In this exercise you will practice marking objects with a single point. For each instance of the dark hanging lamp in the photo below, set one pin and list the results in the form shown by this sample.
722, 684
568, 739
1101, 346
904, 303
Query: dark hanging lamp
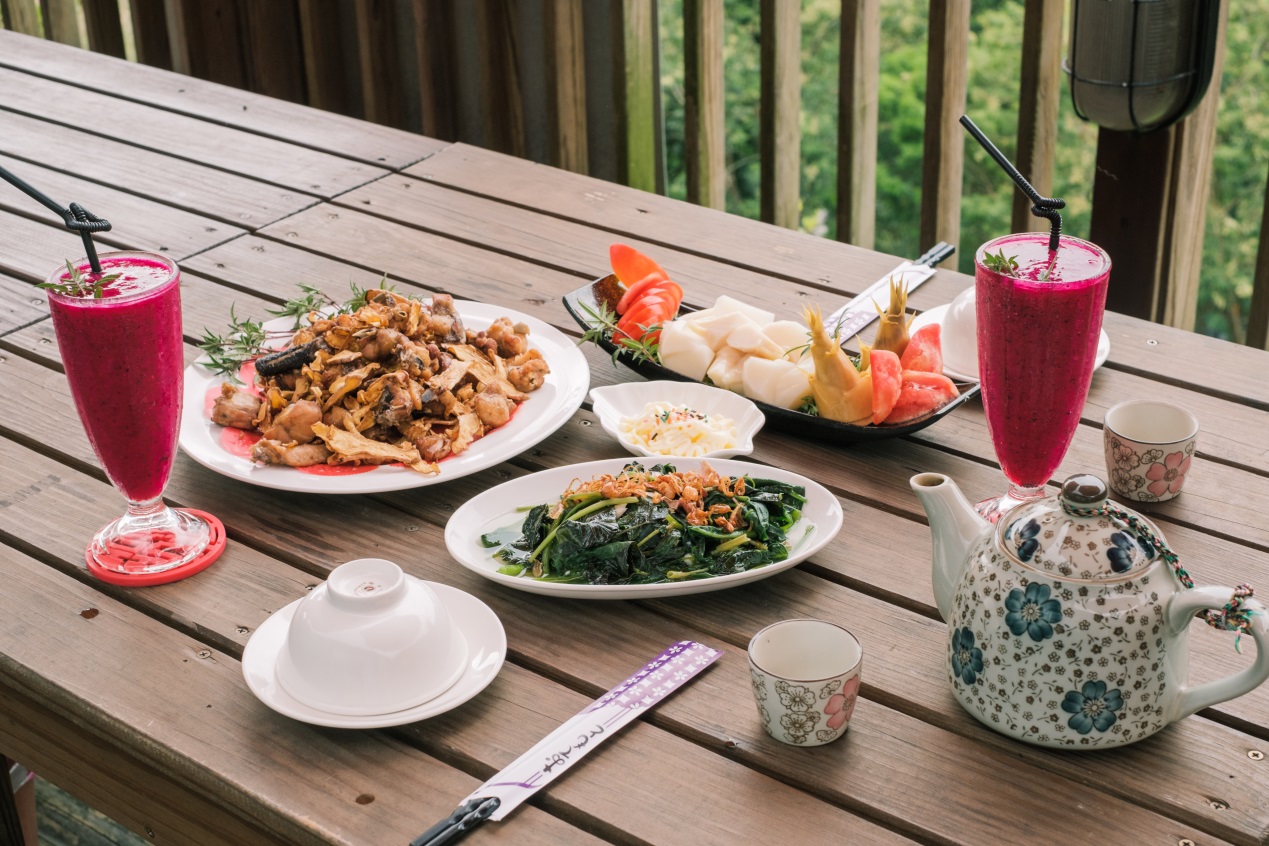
1140, 64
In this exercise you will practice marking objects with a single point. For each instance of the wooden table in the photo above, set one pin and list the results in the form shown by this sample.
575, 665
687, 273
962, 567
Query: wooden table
134, 699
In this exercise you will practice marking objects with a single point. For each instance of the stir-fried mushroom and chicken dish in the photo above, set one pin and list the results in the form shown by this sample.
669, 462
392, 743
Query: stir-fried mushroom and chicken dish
396, 381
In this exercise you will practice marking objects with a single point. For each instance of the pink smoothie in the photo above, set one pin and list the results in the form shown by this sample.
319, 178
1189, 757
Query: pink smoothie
123, 359
1037, 341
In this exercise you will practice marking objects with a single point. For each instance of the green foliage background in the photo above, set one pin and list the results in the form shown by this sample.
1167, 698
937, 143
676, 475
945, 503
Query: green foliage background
1241, 160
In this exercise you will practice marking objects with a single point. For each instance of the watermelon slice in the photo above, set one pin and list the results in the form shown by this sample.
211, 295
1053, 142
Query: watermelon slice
924, 350
921, 394
887, 383
631, 266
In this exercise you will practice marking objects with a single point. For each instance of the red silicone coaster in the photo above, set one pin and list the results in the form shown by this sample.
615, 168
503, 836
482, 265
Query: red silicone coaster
214, 548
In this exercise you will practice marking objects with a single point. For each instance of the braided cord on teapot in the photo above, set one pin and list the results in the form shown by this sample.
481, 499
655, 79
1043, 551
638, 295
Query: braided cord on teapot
1234, 616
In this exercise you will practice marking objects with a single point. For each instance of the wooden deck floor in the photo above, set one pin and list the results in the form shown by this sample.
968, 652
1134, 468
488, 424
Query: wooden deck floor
65, 821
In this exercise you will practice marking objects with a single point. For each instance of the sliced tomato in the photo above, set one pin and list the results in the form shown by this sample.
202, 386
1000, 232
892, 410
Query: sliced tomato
637, 290
636, 322
667, 287
643, 315
630, 265
887, 383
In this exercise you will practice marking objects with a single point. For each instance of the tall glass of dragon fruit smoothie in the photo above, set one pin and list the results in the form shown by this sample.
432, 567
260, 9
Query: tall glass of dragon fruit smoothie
1039, 320
120, 337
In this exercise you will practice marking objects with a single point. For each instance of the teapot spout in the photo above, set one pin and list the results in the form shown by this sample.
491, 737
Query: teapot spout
954, 525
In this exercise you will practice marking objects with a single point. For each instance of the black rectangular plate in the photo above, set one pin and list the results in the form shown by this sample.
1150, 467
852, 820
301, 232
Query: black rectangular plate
602, 291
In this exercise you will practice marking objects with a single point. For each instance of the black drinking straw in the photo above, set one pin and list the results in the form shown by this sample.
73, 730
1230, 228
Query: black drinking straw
77, 218
1043, 206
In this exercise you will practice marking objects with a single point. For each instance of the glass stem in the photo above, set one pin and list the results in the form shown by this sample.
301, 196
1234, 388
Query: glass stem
146, 508
1023, 493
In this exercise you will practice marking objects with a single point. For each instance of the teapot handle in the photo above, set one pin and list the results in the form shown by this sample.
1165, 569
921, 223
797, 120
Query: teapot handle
1180, 613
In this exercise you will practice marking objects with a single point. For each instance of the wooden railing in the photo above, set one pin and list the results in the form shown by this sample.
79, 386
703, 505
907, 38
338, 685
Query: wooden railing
575, 83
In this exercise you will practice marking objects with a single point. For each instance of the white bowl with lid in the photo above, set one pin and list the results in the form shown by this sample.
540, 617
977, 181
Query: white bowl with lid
370, 640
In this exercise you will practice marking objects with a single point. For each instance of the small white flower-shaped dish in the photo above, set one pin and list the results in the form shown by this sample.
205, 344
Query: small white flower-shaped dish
615, 403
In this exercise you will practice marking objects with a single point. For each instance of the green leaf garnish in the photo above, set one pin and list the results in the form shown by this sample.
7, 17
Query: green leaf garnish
79, 284
1000, 263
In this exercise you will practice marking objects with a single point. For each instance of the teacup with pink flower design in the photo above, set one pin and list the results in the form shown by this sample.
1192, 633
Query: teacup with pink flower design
1149, 448
805, 676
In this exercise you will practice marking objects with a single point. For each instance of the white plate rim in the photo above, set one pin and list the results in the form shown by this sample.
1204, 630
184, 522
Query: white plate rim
465, 525
486, 644
935, 315
565, 388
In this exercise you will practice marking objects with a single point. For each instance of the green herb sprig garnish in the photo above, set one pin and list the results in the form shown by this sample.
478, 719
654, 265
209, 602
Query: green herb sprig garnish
358, 299
1000, 263
246, 338
603, 326
300, 307
227, 353
79, 284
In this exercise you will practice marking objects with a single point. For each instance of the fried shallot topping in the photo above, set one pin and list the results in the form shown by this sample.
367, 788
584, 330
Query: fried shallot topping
683, 491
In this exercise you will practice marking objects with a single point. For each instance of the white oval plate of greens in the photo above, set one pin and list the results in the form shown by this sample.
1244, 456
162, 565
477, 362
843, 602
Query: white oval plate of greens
506, 505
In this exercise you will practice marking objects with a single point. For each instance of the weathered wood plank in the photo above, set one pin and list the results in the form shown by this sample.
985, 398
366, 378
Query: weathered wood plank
857, 122
272, 44
104, 27
635, 89
23, 16
336, 134
61, 21
659, 220
206, 42
578, 250
381, 85
566, 84
149, 29
232, 150
1258, 312
946, 78
704, 132
135, 220
196, 188
20, 304
503, 104
1192, 181
780, 116
438, 97
1039, 94
324, 61
1130, 225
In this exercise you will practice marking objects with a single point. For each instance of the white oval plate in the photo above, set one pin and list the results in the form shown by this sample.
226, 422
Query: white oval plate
613, 403
935, 315
497, 507
476, 621
546, 410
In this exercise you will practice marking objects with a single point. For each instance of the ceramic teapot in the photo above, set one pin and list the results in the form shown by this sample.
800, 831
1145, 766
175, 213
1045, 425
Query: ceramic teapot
1067, 620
